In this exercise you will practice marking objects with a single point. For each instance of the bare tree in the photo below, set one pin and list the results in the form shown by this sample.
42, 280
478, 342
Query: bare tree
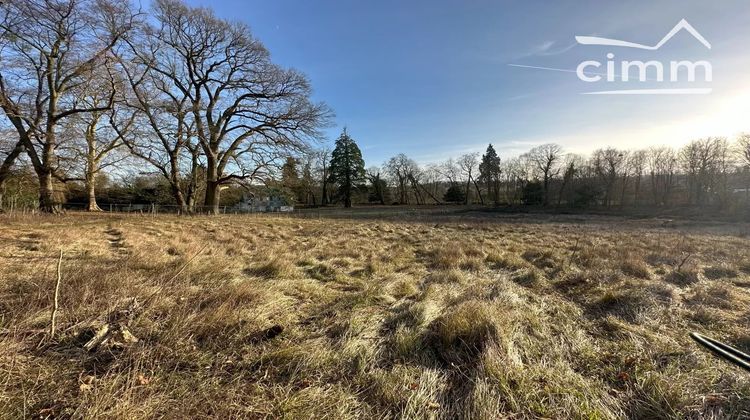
624, 175
469, 164
608, 164
724, 162
378, 185
572, 164
418, 177
99, 133
433, 180
705, 164
662, 164
163, 132
322, 157
49, 47
637, 164
450, 170
399, 168
514, 177
247, 112
307, 180
743, 149
545, 160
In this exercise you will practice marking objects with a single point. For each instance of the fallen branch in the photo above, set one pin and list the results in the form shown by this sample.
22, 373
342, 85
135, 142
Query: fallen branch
112, 335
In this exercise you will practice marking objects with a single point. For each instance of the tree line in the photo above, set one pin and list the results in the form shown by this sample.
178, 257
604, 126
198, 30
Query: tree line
708, 172
102, 101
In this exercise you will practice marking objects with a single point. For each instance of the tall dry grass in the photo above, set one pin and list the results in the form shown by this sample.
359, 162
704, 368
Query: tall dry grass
241, 317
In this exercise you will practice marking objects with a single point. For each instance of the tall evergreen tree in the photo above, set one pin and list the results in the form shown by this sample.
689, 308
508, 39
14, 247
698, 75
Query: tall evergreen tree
489, 172
347, 169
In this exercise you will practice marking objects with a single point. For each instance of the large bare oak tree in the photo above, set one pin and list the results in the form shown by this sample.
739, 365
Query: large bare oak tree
48, 48
245, 111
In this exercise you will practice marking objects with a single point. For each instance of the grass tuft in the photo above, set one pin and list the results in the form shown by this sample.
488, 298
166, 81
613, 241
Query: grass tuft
460, 335
275, 268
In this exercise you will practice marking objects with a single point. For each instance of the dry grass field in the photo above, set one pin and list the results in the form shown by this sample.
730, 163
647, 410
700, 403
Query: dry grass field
444, 317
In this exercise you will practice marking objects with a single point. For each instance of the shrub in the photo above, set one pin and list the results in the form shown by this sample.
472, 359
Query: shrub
532, 193
454, 194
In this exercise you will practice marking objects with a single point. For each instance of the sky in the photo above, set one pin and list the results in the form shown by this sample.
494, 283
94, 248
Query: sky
435, 78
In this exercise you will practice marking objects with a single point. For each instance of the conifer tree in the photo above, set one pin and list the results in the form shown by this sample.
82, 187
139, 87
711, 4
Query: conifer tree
489, 172
347, 168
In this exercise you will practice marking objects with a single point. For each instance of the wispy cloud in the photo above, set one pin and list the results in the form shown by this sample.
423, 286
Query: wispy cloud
548, 48
520, 97
542, 48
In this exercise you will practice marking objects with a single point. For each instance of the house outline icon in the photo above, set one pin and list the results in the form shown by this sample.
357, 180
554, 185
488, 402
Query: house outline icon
682, 25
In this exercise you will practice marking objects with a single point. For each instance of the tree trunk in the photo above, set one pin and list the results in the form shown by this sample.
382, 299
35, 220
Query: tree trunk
401, 199
92, 167
48, 202
91, 192
178, 196
213, 187
189, 206
213, 191
479, 193
324, 182
468, 190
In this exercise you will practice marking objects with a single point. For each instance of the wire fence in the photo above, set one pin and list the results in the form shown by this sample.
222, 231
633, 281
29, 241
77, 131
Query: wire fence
138, 208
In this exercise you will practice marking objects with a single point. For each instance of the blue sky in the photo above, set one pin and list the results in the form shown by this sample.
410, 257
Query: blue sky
432, 78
